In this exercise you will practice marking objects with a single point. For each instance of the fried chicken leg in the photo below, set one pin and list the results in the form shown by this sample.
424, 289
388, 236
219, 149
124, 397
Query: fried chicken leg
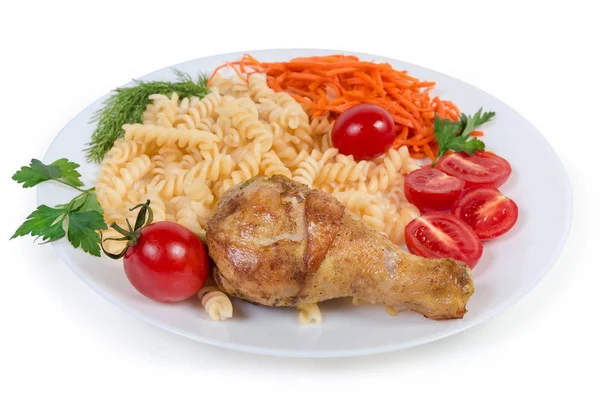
279, 243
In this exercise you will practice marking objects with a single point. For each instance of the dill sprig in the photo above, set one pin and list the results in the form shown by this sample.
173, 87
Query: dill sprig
127, 105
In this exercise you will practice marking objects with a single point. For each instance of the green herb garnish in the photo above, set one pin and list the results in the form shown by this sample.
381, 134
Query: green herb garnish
470, 123
127, 105
83, 215
452, 135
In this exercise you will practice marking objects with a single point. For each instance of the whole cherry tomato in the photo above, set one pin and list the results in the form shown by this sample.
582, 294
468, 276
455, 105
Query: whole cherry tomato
364, 131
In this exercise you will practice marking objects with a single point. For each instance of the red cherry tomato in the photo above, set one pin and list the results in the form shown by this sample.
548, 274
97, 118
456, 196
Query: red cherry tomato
168, 263
430, 189
487, 211
364, 131
480, 169
442, 235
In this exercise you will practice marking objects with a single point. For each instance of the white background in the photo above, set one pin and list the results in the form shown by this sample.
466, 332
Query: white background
59, 338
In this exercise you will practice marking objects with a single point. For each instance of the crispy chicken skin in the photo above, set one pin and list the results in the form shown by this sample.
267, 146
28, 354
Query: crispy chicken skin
279, 243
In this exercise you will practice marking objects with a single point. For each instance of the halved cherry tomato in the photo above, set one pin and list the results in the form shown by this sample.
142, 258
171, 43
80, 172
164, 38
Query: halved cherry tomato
364, 131
480, 169
442, 235
430, 189
487, 211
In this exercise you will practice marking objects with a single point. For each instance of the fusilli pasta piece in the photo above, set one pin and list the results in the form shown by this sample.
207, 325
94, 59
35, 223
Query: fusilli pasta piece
201, 109
258, 88
272, 165
162, 136
247, 124
126, 150
186, 215
396, 219
309, 313
342, 172
321, 125
307, 171
216, 303
293, 111
247, 168
364, 205
222, 83
111, 190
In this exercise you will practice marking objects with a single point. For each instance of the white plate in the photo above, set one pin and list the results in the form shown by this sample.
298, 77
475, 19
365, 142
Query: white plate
511, 265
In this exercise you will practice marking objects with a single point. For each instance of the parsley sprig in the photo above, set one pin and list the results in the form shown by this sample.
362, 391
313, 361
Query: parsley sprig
82, 216
455, 135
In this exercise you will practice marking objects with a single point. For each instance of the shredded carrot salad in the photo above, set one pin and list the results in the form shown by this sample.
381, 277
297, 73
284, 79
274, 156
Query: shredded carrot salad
332, 84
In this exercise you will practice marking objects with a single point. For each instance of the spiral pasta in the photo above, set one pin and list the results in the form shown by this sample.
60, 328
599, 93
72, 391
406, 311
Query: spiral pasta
248, 167
222, 83
391, 311
293, 111
247, 124
231, 86
307, 171
206, 107
269, 111
356, 301
321, 125
342, 172
169, 187
188, 216
309, 313
162, 110
162, 136
125, 150
272, 165
324, 143
170, 112
114, 187
364, 205
216, 303
135, 170
258, 88
395, 221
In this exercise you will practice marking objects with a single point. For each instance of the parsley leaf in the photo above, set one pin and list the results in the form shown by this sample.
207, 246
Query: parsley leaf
68, 172
82, 231
469, 124
455, 136
460, 143
83, 214
445, 131
61, 170
87, 203
36, 172
45, 222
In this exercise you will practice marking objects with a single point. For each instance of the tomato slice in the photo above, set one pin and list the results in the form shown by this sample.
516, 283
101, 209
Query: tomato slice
480, 169
441, 235
487, 211
431, 189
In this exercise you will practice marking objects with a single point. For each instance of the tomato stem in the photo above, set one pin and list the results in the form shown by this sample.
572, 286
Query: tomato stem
131, 234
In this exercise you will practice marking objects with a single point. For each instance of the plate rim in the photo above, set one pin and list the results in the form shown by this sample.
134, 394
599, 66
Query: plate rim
303, 353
